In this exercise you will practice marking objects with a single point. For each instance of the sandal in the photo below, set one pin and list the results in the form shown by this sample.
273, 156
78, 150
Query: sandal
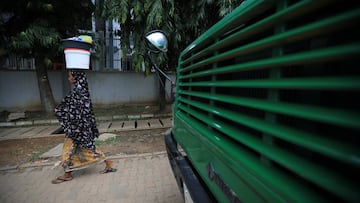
61, 179
108, 170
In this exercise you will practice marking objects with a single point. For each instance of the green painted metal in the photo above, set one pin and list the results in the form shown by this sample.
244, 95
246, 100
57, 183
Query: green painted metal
269, 97
333, 116
311, 30
247, 166
316, 173
328, 54
335, 148
320, 83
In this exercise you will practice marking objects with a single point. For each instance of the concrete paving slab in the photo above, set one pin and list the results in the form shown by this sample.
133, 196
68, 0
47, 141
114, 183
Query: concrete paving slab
128, 125
54, 152
39, 131
47, 130
167, 122
116, 126
15, 133
105, 136
155, 123
26, 132
142, 124
103, 126
31, 131
4, 132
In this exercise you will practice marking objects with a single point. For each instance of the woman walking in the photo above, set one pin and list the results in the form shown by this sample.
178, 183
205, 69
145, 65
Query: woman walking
76, 117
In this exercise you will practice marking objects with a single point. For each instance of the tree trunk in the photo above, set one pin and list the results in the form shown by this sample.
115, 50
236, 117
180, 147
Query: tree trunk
46, 95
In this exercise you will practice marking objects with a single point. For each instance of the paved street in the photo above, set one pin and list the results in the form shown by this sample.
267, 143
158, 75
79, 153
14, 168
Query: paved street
140, 178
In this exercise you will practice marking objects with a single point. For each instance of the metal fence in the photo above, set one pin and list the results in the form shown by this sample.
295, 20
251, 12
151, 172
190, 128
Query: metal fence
106, 55
17, 63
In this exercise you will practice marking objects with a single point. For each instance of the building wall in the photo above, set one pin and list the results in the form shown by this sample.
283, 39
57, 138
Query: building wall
19, 89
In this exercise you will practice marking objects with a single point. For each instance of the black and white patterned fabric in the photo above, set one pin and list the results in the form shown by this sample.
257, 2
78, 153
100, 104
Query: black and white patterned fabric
75, 114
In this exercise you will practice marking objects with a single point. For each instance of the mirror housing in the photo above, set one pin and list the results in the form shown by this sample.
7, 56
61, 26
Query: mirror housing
156, 41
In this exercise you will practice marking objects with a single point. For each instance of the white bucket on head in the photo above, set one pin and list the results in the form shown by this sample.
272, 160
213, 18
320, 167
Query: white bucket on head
77, 58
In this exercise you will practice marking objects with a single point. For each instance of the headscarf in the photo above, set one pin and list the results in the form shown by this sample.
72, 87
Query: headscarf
75, 113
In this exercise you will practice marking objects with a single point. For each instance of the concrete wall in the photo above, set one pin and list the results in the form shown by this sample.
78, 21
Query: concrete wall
19, 89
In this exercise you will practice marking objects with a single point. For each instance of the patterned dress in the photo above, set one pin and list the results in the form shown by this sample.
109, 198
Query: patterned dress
76, 117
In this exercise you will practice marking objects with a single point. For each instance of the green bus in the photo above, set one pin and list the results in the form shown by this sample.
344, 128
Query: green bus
267, 105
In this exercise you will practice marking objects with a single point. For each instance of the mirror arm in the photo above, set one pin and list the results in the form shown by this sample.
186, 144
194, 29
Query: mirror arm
158, 69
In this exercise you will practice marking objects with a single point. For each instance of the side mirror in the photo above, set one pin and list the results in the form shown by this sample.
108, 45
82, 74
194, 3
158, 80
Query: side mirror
156, 41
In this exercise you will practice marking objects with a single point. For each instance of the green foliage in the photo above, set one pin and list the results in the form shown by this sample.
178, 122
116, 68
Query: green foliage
37, 35
182, 21
155, 16
33, 28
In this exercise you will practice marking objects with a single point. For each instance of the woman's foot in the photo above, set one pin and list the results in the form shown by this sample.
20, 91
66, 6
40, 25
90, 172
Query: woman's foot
108, 170
108, 167
108, 163
66, 177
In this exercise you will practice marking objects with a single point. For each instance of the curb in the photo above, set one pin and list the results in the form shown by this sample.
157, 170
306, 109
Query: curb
99, 118
54, 163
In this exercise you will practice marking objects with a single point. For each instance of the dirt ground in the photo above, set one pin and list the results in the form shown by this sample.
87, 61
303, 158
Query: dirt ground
16, 152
